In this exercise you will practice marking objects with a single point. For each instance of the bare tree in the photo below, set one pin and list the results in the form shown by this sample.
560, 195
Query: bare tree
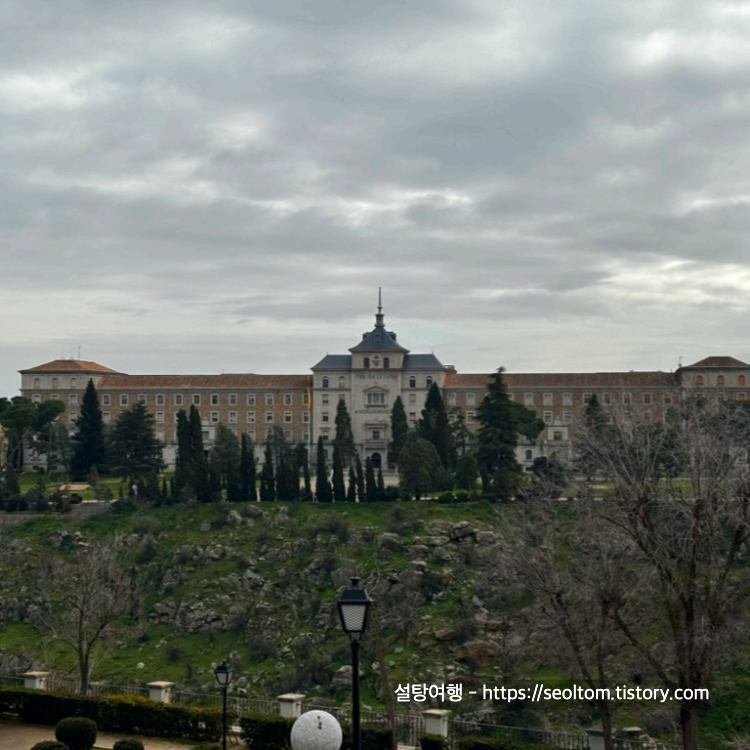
690, 535
86, 596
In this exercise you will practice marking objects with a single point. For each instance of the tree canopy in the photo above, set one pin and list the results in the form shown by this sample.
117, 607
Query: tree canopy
88, 442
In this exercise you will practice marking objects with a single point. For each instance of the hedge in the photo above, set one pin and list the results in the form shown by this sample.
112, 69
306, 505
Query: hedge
433, 742
497, 743
128, 714
264, 732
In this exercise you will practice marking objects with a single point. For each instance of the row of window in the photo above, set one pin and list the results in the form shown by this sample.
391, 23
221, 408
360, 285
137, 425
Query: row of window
720, 380
55, 383
196, 399
607, 398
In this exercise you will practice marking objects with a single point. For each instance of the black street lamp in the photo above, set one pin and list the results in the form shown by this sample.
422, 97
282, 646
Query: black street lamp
223, 674
354, 608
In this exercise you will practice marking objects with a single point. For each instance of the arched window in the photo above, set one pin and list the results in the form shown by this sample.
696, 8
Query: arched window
54, 382
325, 382
529, 456
720, 380
72, 382
428, 381
367, 362
386, 363
342, 381
412, 382
741, 380
36, 382
699, 379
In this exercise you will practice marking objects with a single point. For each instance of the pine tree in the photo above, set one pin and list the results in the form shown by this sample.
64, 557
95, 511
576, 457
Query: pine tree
339, 489
134, 449
88, 442
248, 493
351, 493
344, 439
371, 487
381, 484
435, 427
399, 430
361, 495
497, 440
322, 487
419, 466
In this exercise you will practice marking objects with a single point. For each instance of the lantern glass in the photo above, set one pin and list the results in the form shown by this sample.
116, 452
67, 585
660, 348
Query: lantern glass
223, 674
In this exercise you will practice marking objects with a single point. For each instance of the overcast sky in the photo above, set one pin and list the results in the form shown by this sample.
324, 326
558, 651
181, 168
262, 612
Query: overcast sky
222, 187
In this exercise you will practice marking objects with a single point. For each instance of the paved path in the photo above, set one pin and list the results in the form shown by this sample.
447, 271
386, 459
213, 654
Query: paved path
15, 736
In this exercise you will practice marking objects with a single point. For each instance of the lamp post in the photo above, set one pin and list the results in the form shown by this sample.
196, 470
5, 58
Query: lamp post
223, 674
354, 608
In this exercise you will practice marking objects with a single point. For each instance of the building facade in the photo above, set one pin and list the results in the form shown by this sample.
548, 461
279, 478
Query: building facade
376, 371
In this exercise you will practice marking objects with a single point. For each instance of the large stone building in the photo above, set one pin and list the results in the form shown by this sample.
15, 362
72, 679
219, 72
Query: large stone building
368, 379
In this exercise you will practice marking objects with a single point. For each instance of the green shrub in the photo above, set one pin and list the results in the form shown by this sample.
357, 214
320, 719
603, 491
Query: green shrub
206, 746
128, 744
446, 498
76, 732
461, 496
49, 745
373, 737
433, 742
261, 732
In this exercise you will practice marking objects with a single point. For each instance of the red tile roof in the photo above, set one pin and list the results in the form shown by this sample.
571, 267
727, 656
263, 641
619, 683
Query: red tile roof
718, 362
69, 365
590, 381
239, 381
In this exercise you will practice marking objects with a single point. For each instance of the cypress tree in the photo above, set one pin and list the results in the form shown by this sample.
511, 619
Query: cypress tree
184, 479
371, 488
164, 492
267, 488
198, 464
497, 439
381, 484
344, 439
399, 430
351, 493
88, 442
248, 493
322, 487
339, 489
361, 496
12, 487
435, 427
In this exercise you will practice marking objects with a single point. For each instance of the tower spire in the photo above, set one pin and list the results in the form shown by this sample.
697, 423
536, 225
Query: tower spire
379, 317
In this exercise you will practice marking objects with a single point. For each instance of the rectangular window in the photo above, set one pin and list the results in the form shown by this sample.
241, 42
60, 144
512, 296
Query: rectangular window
413, 398
324, 398
233, 399
37, 398
451, 399
470, 416
548, 417
306, 437
196, 399
324, 416
306, 417
288, 399
547, 399
586, 398
412, 416
647, 399
742, 396
567, 399
72, 415
269, 417
178, 399
176, 417
626, 399
214, 399
160, 399
376, 398
528, 399
73, 399
305, 400
376, 434
251, 417
288, 417
159, 416
123, 399
232, 417
567, 417
160, 435
106, 399
342, 397
214, 417
471, 399
607, 398
141, 398
667, 398
106, 417
452, 417
287, 434
269, 399
251, 435
251, 399
56, 396
557, 435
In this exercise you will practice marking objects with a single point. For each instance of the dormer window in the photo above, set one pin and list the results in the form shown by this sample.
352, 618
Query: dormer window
377, 338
